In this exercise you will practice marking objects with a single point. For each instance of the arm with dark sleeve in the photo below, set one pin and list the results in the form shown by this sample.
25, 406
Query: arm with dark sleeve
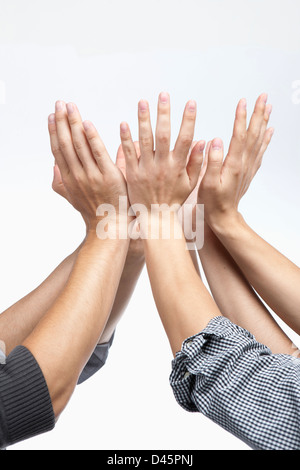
225, 374
25, 404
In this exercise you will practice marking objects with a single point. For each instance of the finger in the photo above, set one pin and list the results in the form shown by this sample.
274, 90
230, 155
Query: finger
120, 161
145, 131
186, 133
265, 144
59, 158
129, 148
65, 137
163, 127
195, 162
137, 149
239, 136
256, 121
264, 126
79, 139
214, 161
97, 147
205, 161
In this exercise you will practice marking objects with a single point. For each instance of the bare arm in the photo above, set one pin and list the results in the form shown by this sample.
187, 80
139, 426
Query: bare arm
66, 336
273, 276
18, 321
75, 321
163, 177
236, 298
183, 302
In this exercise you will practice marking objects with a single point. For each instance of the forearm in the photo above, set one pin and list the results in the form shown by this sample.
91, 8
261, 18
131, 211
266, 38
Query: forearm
65, 338
18, 321
134, 265
236, 298
275, 278
184, 304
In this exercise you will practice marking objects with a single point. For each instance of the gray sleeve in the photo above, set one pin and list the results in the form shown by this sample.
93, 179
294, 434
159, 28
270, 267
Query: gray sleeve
25, 404
96, 361
224, 373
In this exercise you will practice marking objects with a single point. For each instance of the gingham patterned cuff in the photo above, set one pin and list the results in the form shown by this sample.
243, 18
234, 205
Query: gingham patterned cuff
224, 373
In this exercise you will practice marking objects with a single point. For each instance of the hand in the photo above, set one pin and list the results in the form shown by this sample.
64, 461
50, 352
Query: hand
226, 182
160, 176
84, 173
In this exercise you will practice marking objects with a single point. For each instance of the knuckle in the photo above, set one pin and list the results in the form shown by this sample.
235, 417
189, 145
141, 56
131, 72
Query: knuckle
163, 137
146, 141
78, 144
186, 139
97, 153
64, 143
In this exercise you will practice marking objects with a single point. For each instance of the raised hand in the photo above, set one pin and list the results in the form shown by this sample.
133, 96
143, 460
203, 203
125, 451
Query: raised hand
226, 181
85, 175
161, 176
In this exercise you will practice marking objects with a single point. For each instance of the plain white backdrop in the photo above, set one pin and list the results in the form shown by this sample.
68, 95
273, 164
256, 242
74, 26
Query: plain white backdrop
105, 55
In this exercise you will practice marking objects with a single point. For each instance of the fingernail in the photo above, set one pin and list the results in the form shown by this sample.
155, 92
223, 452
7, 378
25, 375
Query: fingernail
164, 97
192, 105
244, 103
87, 125
59, 105
269, 109
264, 97
51, 118
201, 145
70, 108
217, 144
124, 127
143, 106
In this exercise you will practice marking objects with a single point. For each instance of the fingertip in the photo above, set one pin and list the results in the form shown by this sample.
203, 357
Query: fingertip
70, 108
217, 144
124, 128
143, 106
201, 145
51, 119
59, 106
191, 106
164, 97
242, 103
87, 126
269, 109
263, 97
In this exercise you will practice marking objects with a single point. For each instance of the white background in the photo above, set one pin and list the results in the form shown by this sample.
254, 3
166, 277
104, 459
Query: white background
105, 55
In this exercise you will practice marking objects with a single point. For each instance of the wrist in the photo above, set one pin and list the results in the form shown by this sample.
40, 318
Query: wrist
226, 225
161, 225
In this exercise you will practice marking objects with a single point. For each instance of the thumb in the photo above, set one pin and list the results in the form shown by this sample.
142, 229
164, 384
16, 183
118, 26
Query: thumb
57, 184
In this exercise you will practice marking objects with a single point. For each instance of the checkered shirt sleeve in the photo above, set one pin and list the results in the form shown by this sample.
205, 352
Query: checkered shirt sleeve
224, 373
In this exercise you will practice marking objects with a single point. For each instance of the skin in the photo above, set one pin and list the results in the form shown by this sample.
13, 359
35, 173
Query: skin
19, 320
231, 290
164, 176
274, 277
91, 179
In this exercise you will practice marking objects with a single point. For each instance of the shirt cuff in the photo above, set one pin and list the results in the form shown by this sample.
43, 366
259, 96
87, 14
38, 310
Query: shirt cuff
220, 344
25, 404
96, 361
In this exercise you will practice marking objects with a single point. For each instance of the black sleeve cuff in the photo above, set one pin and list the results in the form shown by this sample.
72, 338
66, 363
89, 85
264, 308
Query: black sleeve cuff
25, 404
